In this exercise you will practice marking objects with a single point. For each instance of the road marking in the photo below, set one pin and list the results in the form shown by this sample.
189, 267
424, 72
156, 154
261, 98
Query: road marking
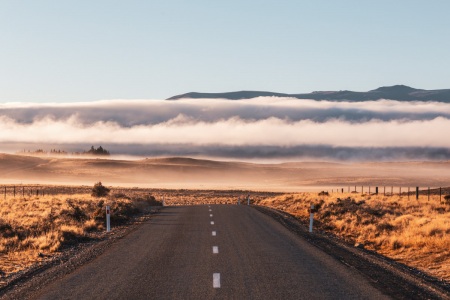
210, 215
216, 280
212, 222
213, 233
215, 249
210, 210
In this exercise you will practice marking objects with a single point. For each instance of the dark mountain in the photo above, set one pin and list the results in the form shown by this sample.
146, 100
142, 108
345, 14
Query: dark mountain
396, 92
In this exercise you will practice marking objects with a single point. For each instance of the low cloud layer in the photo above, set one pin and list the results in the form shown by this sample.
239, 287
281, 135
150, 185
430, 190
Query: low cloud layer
257, 128
129, 113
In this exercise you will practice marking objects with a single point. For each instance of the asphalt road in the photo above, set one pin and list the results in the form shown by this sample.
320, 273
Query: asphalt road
177, 256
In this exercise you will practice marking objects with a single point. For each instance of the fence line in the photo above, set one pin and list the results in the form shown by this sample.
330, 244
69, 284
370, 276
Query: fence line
399, 190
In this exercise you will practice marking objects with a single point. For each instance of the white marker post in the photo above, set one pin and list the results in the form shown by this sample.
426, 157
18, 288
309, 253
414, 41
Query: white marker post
108, 219
163, 204
311, 218
248, 200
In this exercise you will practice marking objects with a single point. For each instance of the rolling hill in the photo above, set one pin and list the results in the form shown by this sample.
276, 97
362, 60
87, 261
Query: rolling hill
190, 173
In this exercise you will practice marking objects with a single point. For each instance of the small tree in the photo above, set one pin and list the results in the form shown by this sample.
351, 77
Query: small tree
97, 151
99, 190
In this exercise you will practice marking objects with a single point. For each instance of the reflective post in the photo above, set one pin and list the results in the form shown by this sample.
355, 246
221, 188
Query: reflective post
311, 218
108, 219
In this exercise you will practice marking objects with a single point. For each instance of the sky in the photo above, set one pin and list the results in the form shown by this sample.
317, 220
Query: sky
78, 51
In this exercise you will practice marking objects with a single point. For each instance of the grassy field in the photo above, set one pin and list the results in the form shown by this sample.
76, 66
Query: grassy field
414, 232
35, 226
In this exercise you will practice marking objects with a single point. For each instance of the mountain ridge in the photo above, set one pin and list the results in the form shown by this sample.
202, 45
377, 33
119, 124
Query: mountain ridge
395, 92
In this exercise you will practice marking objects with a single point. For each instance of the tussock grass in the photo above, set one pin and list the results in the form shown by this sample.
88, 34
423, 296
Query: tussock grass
35, 227
414, 232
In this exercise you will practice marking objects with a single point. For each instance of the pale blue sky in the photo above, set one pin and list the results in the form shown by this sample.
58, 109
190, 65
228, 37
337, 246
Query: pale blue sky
61, 51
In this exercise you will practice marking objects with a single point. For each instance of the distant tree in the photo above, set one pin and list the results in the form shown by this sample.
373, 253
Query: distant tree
98, 151
99, 190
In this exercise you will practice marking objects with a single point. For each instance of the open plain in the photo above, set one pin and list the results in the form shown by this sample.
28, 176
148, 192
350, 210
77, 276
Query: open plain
188, 173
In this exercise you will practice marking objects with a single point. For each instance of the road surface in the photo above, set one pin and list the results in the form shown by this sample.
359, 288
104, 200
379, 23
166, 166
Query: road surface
212, 252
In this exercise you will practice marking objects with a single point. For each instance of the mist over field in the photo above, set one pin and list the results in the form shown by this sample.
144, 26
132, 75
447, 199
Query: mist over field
260, 128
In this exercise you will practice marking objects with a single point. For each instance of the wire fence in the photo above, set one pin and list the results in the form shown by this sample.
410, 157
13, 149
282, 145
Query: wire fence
416, 192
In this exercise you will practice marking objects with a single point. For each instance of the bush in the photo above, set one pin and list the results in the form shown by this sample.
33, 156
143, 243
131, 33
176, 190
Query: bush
6, 230
99, 190
70, 236
149, 199
447, 199
75, 212
123, 211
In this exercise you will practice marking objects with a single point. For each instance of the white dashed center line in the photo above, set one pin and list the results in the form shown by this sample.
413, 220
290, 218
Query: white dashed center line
216, 280
210, 215
210, 210
215, 249
212, 222
213, 233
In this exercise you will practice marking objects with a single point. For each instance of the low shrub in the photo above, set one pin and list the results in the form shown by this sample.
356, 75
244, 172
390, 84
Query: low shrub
99, 190
6, 230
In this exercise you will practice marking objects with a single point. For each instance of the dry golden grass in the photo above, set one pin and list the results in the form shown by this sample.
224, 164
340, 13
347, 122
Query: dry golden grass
34, 227
414, 232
